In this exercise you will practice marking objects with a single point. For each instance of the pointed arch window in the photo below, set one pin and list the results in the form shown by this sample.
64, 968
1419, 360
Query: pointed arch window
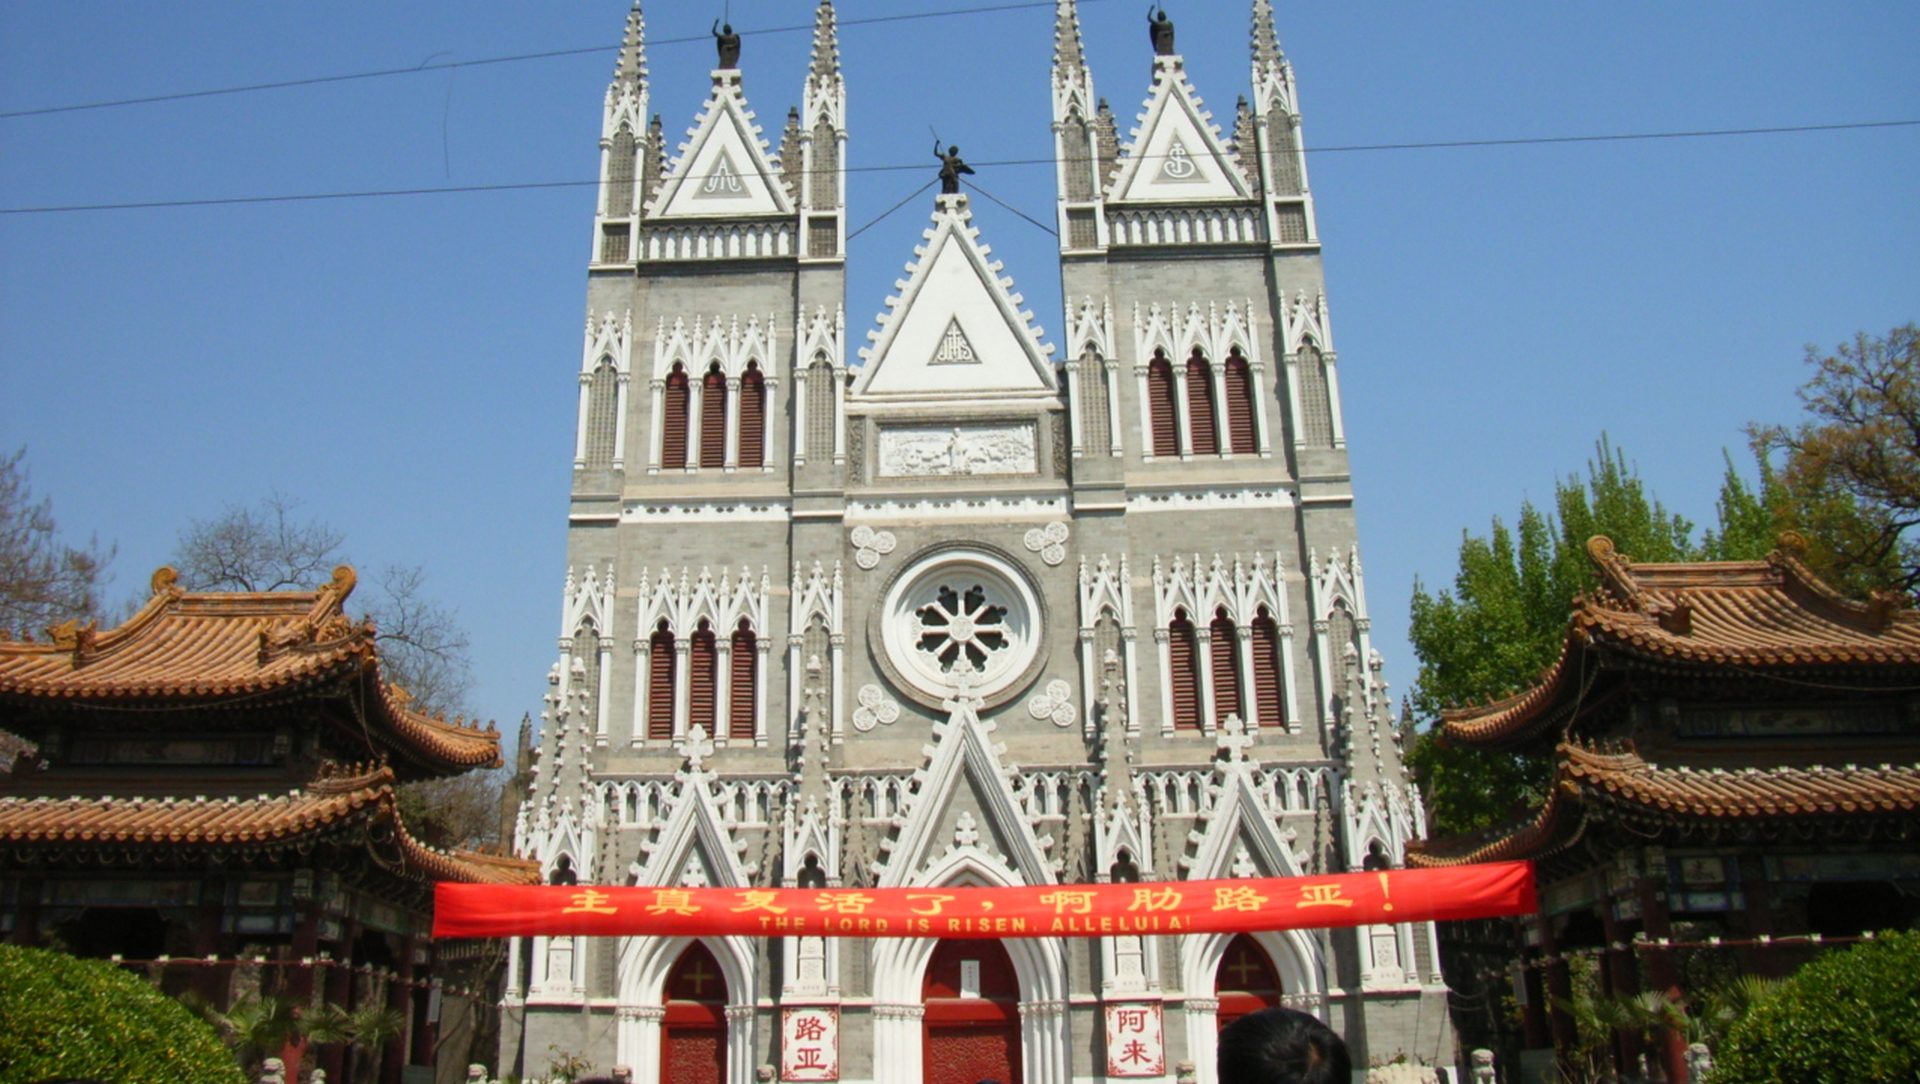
620, 160
1163, 406
673, 419
1078, 158
660, 684
1283, 138
1183, 676
1200, 418
1316, 409
825, 182
753, 417
820, 412
743, 683
603, 396
1340, 639
1241, 439
703, 662
1245, 981
1267, 692
1223, 661
1096, 434
713, 419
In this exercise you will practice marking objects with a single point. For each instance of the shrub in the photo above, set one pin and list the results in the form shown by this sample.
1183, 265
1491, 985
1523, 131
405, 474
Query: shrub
1847, 1017
67, 1017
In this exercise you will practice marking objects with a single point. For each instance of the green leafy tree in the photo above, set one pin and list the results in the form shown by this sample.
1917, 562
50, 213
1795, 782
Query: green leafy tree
63, 1017
1850, 473
1505, 619
1846, 1017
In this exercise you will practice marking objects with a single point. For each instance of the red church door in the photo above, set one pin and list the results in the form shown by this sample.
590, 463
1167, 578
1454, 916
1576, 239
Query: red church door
1245, 981
693, 1037
972, 999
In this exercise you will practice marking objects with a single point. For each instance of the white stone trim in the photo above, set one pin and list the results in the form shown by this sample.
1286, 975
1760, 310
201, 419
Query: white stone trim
744, 511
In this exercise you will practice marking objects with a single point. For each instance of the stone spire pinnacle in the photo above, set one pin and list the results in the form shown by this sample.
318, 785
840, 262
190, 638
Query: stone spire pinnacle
1116, 760
632, 68
826, 43
1068, 53
1266, 42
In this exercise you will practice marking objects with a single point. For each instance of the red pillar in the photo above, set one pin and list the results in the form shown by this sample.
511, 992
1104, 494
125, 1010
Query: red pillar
1661, 970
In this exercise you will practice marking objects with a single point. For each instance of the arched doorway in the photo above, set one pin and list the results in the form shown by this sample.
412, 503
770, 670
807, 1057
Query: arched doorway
693, 1035
1245, 981
972, 999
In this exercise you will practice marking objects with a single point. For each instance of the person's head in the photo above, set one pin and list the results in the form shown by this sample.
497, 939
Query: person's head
1282, 1046
953, 152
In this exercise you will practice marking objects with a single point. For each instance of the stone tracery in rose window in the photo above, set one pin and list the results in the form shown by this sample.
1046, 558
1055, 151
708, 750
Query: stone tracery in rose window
961, 627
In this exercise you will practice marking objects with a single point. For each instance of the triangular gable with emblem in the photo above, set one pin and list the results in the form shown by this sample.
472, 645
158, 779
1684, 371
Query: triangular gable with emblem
964, 775
954, 326
1176, 153
1240, 838
694, 846
723, 169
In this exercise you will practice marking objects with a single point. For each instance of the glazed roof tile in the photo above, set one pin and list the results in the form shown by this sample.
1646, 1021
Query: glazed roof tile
1769, 614
325, 807
234, 647
1591, 785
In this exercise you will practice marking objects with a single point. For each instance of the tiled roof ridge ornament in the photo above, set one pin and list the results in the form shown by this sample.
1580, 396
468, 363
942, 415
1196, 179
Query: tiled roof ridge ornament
164, 581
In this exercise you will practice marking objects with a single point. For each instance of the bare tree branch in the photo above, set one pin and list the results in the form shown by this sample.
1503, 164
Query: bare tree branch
260, 548
42, 581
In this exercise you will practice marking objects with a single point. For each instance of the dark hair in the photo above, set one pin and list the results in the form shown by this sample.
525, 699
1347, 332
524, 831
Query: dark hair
1282, 1046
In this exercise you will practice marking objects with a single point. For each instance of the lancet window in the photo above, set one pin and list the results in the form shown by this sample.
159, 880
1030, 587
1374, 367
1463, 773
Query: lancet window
660, 692
1163, 406
1200, 417
1183, 671
1316, 408
1223, 660
713, 419
1096, 429
673, 419
753, 417
705, 661
620, 160
603, 399
1238, 378
743, 682
1267, 685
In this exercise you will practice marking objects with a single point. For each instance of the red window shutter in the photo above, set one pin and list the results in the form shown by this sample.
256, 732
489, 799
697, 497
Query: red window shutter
703, 655
1206, 434
753, 415
660, 687
1240, 405
713, 421
1224, 658
1162, 406
1183, 654
741, 687
1266, 669
673, 421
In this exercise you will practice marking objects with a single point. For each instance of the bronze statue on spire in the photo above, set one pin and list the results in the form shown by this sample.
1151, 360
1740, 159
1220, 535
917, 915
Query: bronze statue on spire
951, 167
727, 43
1161, 29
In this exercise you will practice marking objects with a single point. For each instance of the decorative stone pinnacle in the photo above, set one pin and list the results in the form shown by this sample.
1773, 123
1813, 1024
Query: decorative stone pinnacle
1234, 739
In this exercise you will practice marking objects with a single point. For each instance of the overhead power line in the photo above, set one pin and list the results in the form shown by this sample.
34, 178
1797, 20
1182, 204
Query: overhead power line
1447, 144
514, 58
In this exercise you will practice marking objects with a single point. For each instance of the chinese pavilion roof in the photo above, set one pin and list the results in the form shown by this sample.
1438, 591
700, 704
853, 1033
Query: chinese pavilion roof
220, 649
1620, 787
358, 803
1724, 617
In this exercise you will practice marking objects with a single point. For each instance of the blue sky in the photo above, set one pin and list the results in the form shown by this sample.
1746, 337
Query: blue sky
405, 367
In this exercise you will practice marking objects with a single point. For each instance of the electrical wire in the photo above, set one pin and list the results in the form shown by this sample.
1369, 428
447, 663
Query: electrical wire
1050, 231
513, 58
1452, 144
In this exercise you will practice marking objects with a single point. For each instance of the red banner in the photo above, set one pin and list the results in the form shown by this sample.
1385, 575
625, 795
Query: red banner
1095, 910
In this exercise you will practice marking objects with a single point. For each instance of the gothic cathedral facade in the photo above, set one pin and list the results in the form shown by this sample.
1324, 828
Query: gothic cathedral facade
952, 610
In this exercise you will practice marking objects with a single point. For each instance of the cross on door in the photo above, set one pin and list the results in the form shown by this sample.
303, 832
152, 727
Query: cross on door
1242, 969
698, 976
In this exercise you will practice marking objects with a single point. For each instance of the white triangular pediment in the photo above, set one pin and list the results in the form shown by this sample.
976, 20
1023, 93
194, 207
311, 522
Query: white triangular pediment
1176, 154
723, 169
1240, 838
964, 774
694, 839
955, 327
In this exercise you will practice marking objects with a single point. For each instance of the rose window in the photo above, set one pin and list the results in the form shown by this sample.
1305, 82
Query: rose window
960, 620
962, 628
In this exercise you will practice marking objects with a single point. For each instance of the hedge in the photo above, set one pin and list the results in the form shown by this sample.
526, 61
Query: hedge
1846, 1018
67, 1017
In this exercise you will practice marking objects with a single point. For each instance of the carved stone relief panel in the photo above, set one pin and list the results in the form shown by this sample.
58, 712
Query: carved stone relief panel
923, 451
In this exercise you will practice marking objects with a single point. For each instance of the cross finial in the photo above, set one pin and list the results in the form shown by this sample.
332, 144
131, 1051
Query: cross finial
1234, 739
698, 748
